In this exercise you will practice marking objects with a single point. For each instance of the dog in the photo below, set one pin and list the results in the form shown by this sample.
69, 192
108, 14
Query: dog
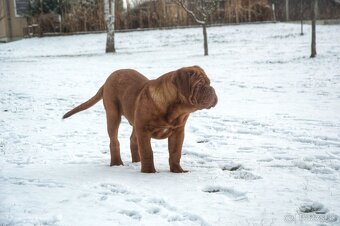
156, 109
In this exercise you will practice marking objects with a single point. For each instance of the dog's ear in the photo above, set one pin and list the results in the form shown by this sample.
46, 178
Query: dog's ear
186, 80
182, 80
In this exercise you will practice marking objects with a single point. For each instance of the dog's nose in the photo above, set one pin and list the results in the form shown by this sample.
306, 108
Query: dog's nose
215, 99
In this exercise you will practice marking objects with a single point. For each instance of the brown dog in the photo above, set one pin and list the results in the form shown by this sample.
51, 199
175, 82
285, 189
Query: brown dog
155, 108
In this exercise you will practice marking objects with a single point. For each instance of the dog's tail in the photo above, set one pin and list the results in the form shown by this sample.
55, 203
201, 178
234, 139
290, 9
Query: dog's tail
86, 104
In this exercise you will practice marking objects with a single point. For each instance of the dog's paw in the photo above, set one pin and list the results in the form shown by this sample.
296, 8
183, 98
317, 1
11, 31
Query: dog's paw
177, 169
117, 163
150, 169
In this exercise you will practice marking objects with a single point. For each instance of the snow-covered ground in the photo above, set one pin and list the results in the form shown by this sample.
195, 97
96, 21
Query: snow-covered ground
267, 154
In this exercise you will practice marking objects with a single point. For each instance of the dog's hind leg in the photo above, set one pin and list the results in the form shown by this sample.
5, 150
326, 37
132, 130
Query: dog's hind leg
113, 120
134, 147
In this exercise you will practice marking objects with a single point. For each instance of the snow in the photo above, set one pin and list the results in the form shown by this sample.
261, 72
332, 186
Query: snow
267, 154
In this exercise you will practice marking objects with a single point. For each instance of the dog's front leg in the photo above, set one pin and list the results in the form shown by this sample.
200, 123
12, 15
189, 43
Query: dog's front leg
175, 143
145, 152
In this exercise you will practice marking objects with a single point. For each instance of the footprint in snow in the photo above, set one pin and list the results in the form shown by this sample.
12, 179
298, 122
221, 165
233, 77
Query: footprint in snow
154, 210
245, 175
285, 157
266, 159
231, 166
313, 207
172, 214
245, 150
314, 167
238, 172
229, 192
131, 213
134, 199
317, 211
108, 189
45, 183
114, 188
161, 203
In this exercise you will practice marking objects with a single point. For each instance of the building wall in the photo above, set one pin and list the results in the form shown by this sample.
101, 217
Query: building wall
11, 25
3, 21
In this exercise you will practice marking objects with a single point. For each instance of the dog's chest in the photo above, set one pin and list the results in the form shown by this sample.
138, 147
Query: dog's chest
161, 133
164, 128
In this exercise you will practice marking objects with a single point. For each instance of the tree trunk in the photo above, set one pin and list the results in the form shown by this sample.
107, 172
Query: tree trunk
110, 23
274, 14
227, 10
301, 16
237, 12
9, 22
150, 25
164, 23
140, 18
249, 11
127, 15
314, 12
61, 28
287, 10
205, 37
85, 20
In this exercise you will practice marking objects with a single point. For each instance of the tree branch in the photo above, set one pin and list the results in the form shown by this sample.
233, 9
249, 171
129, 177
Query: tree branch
190, 12
211, 9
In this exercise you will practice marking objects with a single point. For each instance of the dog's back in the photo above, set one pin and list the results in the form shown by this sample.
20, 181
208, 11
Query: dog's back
119, 94
121, 90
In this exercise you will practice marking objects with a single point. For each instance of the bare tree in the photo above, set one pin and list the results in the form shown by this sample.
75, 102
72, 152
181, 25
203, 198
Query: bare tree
200, 10
314, 12
287, 10
301, 16
238, 10
109, 11
273, 11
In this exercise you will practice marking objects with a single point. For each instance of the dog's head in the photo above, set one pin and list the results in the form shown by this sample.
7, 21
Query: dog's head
194, 87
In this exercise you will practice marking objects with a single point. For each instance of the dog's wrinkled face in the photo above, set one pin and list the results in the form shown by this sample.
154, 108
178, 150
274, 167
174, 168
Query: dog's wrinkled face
194, 85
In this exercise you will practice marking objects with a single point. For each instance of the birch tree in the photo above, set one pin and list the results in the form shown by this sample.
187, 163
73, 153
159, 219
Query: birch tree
200, 10
287, 10
109, 12
314, 15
